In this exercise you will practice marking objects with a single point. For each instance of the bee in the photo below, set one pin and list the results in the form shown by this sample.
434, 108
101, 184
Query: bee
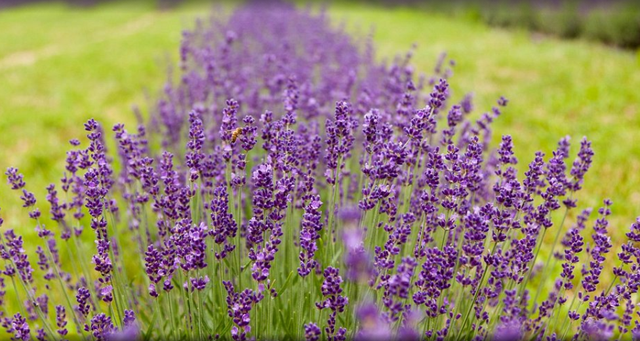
235, 134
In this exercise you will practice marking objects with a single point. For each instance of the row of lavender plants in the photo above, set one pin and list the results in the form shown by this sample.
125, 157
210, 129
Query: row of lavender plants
289, 186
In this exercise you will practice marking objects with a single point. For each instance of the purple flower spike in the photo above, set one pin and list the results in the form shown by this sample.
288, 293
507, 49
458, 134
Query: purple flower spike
83, 298
334, 301
14, 178
339, 140
100, 327
61, 320
239, 306
372, 325
312, 332
197, 283
359, 266
19, 328
310, 232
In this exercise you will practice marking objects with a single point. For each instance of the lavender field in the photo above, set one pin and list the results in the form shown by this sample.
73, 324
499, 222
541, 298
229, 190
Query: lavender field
296, 175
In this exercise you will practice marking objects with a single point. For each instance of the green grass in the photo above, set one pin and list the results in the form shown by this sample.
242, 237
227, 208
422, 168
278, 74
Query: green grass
61, 66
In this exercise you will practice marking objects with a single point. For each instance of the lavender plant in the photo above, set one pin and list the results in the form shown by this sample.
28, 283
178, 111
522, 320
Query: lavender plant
290, 186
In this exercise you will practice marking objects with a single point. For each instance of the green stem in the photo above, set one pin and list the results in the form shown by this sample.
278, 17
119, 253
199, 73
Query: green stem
39, 309
332, 206
475, 296
87, 276
62, 287
156, 306
126, 301
238, 237
174, 317
546, 265
533, 264
20, 302
564, 334
187, 304
445, 233
30, 295
553, 325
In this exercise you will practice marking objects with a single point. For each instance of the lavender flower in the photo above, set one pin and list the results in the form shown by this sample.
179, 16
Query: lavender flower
597, 252
311, 332
239, 306
359, 267
61, 320
19, 328
310, 231
101, 327
333, 301
339, 140
373, 325
14, 178
83, 298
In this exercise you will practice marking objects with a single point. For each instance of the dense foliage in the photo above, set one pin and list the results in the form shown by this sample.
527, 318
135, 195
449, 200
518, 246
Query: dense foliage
613, 22
290, 186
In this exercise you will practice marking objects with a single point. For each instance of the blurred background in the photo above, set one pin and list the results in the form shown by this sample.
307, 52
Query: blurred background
568, 68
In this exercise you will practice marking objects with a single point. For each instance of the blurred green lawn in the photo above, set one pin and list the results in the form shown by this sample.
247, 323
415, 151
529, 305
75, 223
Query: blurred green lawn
60, 66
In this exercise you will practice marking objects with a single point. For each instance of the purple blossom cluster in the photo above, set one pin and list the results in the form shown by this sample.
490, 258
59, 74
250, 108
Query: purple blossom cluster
333, 301
290, 186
